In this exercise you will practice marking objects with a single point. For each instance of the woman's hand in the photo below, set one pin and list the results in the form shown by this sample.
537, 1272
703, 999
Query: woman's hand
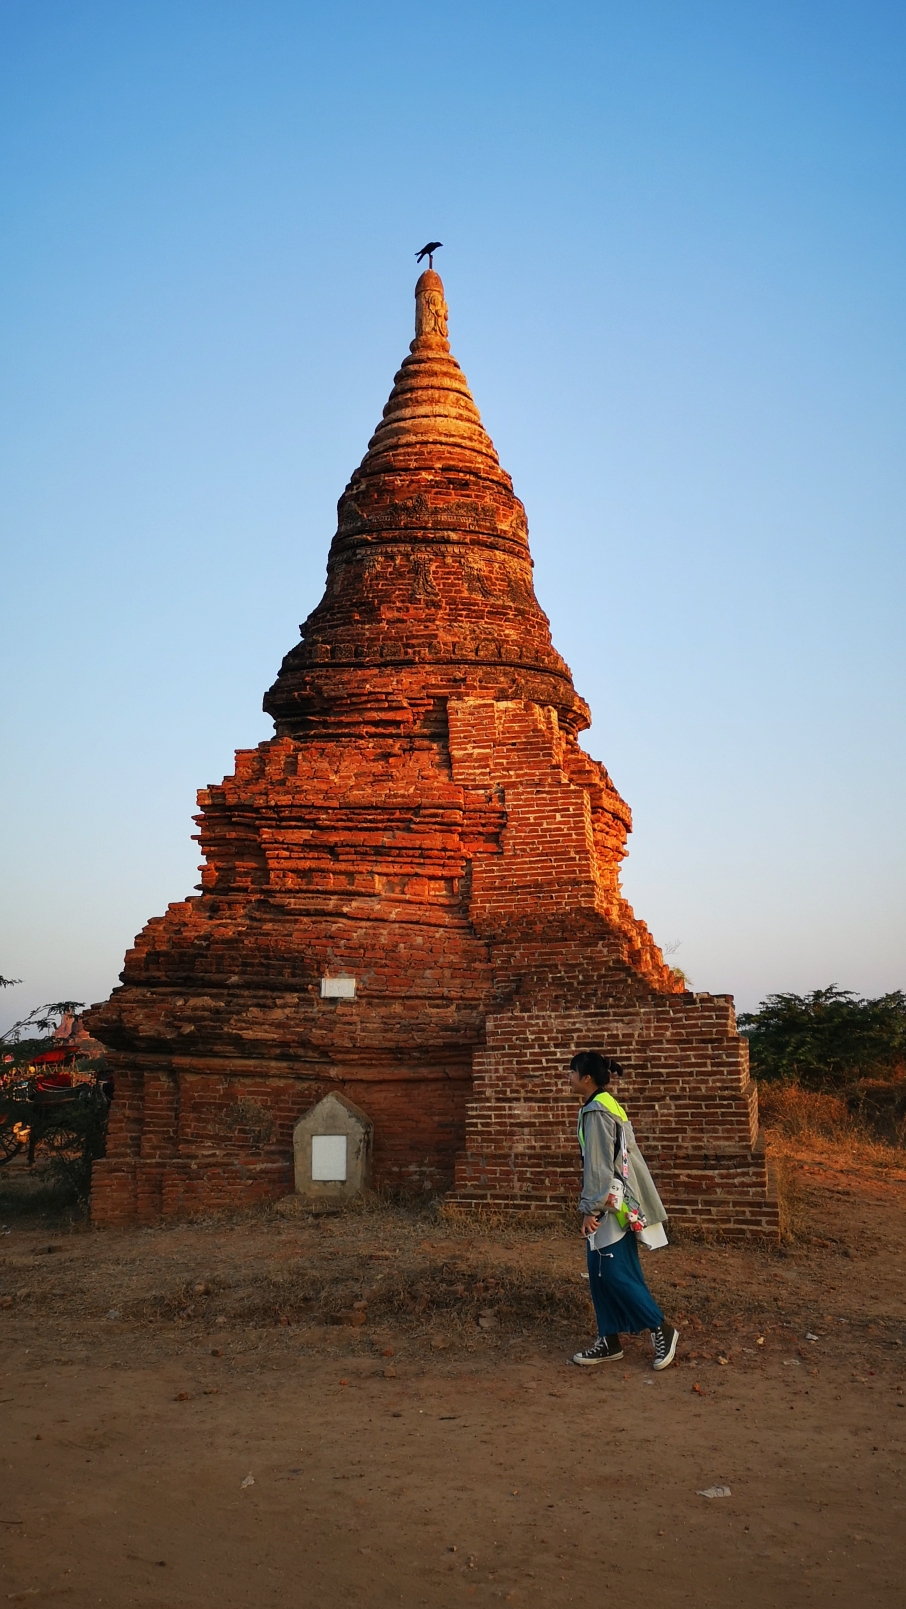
590, 1223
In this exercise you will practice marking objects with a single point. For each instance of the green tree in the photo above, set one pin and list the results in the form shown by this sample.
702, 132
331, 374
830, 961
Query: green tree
826, 1039
34, 1033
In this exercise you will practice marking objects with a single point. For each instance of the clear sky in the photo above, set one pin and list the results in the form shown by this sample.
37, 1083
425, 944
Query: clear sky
674, 257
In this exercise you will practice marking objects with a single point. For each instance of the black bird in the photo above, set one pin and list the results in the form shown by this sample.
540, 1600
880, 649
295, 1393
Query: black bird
428, 251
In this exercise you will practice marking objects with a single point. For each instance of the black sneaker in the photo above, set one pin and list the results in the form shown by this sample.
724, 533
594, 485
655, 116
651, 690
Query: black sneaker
665, 1338
606, 1349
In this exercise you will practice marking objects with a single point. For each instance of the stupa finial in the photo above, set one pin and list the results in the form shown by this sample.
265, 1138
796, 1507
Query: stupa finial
430, 308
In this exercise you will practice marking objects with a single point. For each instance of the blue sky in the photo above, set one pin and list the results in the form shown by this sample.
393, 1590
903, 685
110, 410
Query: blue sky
674, 257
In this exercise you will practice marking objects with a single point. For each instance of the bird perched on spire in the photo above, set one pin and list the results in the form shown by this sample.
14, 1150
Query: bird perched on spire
428, 251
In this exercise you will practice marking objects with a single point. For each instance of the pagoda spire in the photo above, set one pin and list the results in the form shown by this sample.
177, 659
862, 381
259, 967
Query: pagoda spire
429, 577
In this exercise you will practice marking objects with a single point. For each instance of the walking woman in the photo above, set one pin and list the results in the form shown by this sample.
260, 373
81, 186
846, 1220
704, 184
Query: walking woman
619, 1207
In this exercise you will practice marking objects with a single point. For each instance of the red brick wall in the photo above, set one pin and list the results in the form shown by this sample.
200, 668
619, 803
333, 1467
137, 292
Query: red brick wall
227, 1140
685, 1086
480, 913
426, 822
585, 974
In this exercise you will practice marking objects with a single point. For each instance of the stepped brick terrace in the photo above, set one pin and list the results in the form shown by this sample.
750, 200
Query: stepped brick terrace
424, 823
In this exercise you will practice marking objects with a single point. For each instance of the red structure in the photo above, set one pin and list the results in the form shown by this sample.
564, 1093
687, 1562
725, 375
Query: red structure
425, 823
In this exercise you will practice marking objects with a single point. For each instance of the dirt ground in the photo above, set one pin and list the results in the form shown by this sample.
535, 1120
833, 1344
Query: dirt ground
200, 1414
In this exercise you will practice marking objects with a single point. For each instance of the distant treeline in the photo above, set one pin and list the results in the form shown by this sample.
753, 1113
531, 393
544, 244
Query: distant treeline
827, 1040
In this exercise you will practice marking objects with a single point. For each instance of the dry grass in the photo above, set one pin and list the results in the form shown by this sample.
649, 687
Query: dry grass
799, 1120
803, 1114
371, 1265
868, 1113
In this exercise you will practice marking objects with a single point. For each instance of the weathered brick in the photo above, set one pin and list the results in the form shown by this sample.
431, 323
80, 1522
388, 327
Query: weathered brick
425, 820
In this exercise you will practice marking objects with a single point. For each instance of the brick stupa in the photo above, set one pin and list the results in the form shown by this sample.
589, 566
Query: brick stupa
425, 823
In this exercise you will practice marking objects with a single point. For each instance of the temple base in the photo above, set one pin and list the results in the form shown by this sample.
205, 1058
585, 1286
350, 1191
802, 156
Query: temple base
124, 1193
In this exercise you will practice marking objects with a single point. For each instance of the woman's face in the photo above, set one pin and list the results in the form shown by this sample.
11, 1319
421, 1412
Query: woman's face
577, 1083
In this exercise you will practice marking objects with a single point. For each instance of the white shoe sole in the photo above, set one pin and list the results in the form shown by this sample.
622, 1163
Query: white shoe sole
588, 1363
664, 1363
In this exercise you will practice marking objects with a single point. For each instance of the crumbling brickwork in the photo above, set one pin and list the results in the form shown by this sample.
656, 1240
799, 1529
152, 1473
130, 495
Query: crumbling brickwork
424, 821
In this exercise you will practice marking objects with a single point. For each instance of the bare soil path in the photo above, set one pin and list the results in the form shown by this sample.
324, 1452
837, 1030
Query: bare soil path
201, 1415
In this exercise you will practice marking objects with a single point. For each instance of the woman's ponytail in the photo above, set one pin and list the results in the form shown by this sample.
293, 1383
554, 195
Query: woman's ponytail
591, 1064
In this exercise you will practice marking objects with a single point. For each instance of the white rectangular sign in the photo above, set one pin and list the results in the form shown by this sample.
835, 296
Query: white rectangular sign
328, 1156
338, 988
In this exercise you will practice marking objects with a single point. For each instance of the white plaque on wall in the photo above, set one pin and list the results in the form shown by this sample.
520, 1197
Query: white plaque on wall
338, 988
328, 1156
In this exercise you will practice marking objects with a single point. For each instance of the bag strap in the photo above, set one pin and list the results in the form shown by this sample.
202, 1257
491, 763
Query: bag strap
624, 1152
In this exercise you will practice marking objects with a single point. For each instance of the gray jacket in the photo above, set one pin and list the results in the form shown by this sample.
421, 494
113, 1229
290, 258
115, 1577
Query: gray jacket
602, 1162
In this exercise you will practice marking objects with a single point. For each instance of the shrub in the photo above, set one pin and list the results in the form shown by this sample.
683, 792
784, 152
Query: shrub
828, 1039
805, 1114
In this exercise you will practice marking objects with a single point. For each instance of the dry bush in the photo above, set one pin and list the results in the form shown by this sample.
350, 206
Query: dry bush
835, 1131
790, 1202
880, 1105
869, 1115
804, 1114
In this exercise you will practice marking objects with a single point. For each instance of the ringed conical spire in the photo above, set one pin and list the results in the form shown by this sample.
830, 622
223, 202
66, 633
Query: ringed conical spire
429, 578
430, 407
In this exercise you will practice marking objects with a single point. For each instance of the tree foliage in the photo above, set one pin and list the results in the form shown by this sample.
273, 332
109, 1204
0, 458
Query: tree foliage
34, 1033
44, 1018
827, 1039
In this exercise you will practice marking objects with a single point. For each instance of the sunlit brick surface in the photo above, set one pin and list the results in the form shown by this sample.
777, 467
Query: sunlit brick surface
424, 821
